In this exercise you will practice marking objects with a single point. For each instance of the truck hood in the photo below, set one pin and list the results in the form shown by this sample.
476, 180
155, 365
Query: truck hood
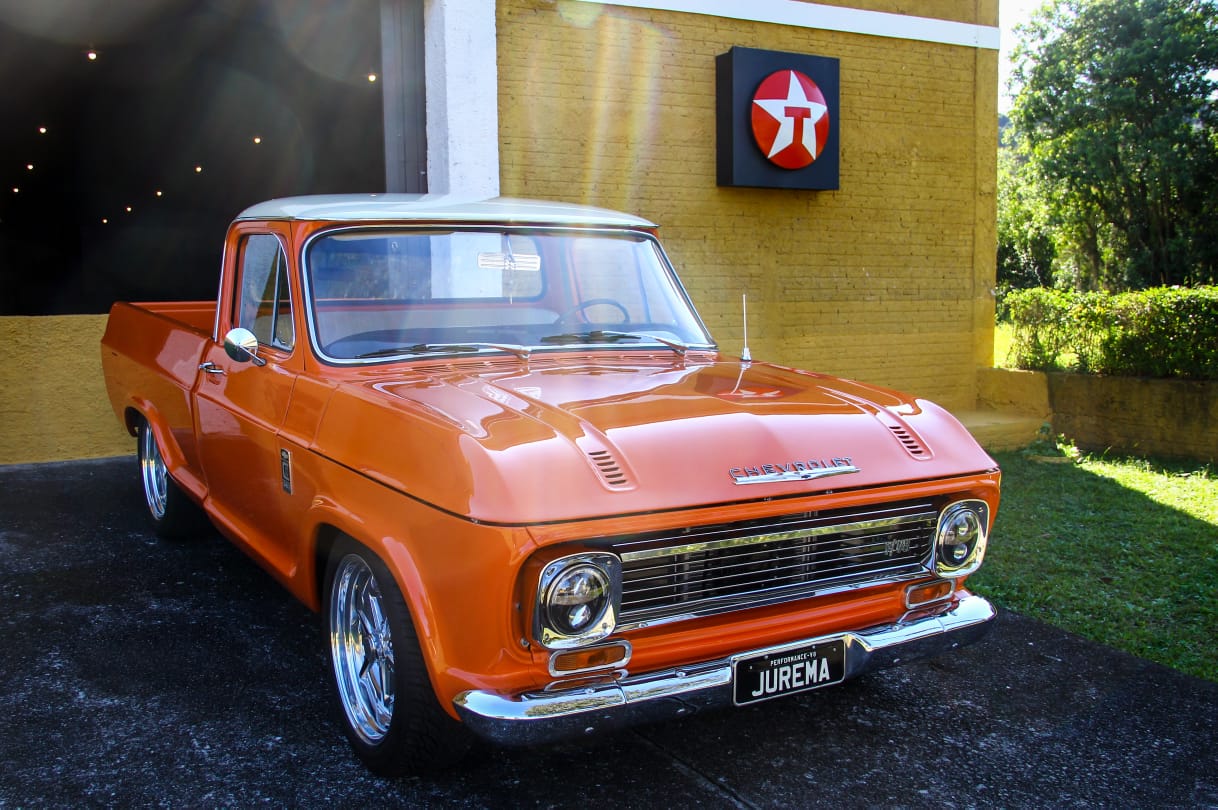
566, 438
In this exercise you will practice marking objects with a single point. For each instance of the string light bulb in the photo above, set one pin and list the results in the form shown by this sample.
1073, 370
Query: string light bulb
91, 55
372, 77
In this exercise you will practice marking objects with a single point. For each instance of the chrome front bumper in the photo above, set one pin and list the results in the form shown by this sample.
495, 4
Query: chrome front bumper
538, 717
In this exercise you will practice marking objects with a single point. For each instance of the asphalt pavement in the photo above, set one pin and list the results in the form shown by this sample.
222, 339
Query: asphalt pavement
139, 672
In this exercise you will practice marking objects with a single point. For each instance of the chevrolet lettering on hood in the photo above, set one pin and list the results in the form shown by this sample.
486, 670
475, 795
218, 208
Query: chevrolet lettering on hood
793, 471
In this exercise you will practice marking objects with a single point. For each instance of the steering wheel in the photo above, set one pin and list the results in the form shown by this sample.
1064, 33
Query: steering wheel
592, 302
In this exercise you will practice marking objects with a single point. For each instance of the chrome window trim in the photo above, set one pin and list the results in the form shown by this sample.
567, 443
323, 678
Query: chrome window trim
422, 227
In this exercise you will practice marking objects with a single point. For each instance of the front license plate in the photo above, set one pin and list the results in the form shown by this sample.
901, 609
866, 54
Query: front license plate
762, 677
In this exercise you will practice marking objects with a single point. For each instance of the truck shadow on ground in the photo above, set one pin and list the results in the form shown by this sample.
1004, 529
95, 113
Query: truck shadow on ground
140, 672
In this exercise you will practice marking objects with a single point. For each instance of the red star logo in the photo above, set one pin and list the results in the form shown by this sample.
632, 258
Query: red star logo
790, 119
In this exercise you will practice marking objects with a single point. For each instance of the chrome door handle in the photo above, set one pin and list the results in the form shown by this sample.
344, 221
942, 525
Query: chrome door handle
210, 368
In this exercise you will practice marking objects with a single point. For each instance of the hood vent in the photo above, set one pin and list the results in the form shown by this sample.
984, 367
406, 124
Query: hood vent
915, 447
904, 434
609, 469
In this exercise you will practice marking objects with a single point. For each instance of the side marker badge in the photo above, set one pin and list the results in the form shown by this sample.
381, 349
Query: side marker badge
285, 470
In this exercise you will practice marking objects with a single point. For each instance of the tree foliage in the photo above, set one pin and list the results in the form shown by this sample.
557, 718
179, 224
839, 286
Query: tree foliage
1114, 176
1025, 238
1158, 332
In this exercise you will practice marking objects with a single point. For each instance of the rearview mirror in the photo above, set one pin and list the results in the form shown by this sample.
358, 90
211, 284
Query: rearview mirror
241, 345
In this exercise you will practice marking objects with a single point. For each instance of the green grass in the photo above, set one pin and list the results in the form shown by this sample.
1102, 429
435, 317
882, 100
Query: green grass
1121, 551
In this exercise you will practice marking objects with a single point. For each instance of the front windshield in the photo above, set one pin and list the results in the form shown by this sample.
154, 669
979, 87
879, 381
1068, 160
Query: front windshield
378, 294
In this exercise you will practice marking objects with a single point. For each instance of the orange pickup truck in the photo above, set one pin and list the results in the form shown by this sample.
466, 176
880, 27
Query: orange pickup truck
494, 445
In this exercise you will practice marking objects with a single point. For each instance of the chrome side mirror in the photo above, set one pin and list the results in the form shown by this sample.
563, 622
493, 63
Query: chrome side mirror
241, 345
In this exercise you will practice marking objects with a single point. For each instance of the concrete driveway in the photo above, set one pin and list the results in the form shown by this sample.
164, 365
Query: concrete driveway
140, 672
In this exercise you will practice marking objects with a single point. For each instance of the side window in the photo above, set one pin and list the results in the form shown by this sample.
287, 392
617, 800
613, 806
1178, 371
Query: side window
264, 305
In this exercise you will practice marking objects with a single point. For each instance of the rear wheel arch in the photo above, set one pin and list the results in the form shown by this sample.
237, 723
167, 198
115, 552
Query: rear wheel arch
132, 419
144, 415
173, 513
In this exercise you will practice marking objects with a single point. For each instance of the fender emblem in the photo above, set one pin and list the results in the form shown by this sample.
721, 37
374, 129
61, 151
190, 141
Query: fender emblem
285, 470
793, 471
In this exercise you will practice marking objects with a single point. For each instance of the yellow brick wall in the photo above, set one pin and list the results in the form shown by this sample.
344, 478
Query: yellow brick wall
53, 402
888, 279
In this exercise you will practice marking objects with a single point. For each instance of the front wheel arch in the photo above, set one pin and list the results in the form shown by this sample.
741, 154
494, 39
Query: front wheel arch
380, 684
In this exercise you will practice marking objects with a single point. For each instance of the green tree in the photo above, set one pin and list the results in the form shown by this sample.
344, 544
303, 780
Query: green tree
1116, 121
1025, 242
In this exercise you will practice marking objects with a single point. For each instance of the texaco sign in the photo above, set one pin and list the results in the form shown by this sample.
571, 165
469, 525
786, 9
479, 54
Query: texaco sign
777, 120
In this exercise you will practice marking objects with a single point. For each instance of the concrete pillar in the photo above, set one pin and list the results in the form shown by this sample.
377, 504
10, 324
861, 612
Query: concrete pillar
462, 97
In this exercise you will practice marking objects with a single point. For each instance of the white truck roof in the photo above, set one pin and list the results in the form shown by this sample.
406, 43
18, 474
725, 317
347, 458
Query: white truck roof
438, 208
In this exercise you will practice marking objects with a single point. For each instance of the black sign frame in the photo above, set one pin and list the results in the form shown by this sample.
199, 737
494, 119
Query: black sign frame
740, 161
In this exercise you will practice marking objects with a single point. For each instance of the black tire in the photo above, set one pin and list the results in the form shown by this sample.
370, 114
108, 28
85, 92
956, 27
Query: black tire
386, 704
173, 514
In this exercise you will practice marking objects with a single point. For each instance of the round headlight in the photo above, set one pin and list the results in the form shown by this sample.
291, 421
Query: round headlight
961, 537
577, 599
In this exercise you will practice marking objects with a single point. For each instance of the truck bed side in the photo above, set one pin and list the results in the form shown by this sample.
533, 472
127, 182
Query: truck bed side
150, 357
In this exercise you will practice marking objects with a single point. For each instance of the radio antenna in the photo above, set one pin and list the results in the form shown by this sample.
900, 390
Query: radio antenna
745, 355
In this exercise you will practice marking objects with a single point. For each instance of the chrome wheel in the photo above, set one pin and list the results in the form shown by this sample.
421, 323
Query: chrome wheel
361, 646
154, 474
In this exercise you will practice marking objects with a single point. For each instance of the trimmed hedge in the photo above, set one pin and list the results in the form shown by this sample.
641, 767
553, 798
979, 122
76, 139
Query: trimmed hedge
1161, 332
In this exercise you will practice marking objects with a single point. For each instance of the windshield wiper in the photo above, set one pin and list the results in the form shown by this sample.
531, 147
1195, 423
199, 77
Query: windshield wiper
443, 348
418, 348
611, 336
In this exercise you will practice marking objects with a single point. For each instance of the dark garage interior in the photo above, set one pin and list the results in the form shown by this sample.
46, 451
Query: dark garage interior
134, 131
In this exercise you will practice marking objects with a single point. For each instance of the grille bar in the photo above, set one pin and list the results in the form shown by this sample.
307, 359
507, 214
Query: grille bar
787, 557
728, 568
772, 551
714, 584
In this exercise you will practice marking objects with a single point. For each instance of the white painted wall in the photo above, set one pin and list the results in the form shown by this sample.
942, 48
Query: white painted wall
829, 18
462, 98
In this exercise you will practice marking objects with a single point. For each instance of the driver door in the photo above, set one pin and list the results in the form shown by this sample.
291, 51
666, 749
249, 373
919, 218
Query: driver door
240, 406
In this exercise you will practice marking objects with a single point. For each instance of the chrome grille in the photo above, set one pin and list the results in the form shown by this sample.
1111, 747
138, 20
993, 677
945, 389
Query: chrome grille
734, 567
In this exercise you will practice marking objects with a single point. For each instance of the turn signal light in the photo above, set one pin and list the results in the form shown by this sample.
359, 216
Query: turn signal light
928, 592
571, 662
